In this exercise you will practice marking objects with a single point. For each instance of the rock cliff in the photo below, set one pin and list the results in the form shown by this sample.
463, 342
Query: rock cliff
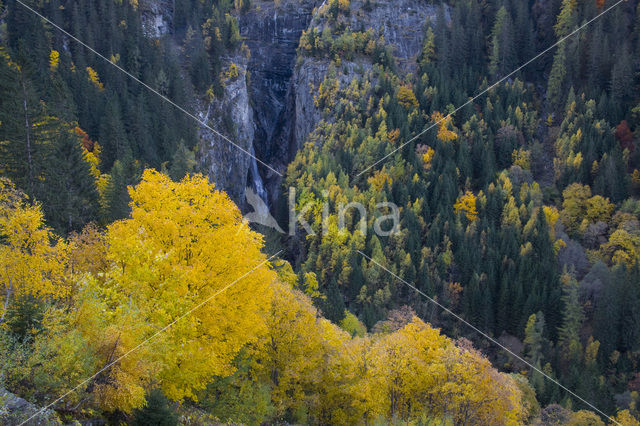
272, 32
403, 26
227, 165
156, 17
271, 111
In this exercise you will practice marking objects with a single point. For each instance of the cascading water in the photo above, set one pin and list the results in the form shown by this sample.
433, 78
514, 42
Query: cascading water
256, 180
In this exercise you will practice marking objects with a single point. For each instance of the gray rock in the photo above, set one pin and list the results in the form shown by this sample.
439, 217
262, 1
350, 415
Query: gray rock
227, 165
273, 112
156, 17
15, 410
403, 24
272, 32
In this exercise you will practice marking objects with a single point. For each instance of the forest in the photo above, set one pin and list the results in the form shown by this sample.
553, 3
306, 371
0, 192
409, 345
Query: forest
134, 292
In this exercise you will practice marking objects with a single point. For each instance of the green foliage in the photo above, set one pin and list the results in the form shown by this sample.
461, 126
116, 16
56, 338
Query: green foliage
157, 411
480, 194
352, 325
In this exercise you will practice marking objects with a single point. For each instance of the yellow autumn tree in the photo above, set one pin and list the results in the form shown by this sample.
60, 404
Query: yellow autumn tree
416, 371
466, 203
622, 247
579, 208
183, 273
94, 78
625, 418
379, 179
443, 123
406, 97
291, 355
29, 263
54, 60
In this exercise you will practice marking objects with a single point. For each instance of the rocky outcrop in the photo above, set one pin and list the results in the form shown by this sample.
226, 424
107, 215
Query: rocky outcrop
156, 17
15, 410
282, 94
226, 164
272, 112
272, 32
402, 23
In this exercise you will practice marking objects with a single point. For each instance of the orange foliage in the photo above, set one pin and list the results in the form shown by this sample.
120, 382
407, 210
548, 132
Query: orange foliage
394, 135
87, 143
625, 135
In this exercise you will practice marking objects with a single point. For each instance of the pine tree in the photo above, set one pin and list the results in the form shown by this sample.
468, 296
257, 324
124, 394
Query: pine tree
503, 55
124, 173
622, 77
68, 192
572, 318
112, 135
22, 154
556, 85
183, 162
157, 411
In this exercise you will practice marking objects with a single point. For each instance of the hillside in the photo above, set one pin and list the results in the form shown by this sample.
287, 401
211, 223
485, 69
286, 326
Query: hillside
327, 212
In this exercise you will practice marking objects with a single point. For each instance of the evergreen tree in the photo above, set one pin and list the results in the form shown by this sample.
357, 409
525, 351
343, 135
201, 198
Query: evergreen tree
503, 55
157, 411
68, 192
556, 85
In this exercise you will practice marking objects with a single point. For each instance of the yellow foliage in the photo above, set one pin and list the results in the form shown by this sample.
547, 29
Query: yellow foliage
406, 97
397, 375
232, 73
94, 78
379, 179
29, 263
522, 158
88, 251
624, 418
93, 158
467, 203
427, 157
622, 247
54, 60
291, 354
183, 258
443, 122
551, 215
585, 418
579, 208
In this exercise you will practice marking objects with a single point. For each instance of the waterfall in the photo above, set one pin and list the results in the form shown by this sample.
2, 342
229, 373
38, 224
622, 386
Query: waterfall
256, 180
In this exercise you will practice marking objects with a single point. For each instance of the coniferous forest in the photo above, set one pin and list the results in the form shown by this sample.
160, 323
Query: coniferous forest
501, 134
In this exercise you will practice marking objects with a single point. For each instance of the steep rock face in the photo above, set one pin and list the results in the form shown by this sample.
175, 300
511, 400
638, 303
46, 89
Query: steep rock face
272, 112
401, 22
227, 165
403, 25
272, 32
302, 111
156, 17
